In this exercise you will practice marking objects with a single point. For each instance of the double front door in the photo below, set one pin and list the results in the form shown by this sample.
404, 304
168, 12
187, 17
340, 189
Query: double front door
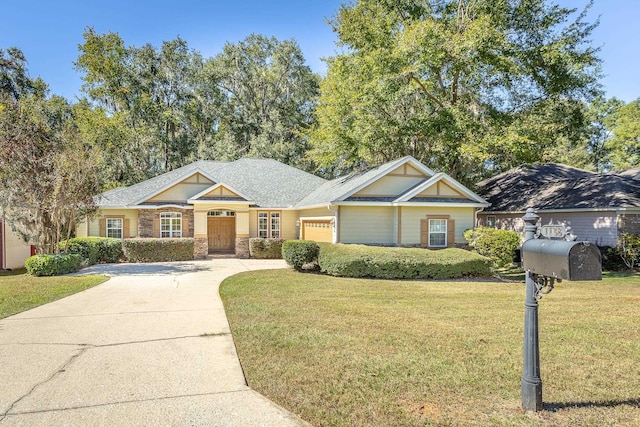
221, 232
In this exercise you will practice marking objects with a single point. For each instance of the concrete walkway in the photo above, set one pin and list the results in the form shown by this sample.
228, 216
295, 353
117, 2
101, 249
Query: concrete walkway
149, 347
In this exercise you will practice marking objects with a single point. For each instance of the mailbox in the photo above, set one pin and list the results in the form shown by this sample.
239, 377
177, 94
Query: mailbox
562, 260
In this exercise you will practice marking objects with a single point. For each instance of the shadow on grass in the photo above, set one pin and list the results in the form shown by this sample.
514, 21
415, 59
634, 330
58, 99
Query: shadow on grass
16, 272
553, 407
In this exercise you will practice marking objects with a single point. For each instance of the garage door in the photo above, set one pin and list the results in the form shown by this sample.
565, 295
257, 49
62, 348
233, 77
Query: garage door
320, 231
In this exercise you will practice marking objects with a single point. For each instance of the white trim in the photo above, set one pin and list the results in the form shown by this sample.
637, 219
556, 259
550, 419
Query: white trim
440, 176
316, 206
578, 210
415, 204
222, 202
317, 218
400, 162
213, 187
167, 205
172, 183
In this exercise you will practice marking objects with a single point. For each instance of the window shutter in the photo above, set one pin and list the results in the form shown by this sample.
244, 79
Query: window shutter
125, 228
185, 227
451, 232
156, 227
103, 227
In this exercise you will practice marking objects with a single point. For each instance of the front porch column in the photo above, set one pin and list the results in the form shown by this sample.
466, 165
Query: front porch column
201, 247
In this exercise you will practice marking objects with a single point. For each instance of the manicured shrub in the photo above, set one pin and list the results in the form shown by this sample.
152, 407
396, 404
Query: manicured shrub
265, 248
53, 265
499, 245
611, 259
95, 249
401, 263
155, 250
297, 253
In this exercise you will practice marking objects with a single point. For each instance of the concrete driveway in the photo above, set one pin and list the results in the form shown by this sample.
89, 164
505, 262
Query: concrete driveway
151, 346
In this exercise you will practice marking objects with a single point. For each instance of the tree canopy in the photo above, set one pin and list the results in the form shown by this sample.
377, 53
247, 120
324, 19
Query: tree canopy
466, 86
170, 106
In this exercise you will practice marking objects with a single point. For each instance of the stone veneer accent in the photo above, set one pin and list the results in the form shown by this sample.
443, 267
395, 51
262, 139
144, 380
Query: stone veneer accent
242, 247
200, 247
146, 216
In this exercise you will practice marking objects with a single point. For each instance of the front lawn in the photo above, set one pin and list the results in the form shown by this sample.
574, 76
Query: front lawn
346, 352
20, 291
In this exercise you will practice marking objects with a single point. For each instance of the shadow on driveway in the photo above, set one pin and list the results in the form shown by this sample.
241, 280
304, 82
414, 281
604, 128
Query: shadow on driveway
143, 269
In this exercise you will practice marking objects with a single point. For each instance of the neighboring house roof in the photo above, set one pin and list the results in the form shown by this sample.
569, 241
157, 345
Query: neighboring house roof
558, 187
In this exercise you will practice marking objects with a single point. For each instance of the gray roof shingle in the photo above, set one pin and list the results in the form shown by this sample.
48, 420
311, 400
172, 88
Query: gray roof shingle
337, 188
267, 182
555, 186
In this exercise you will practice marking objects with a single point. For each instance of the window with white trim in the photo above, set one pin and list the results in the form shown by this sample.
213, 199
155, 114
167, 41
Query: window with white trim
114, 228
491, 221
170, 224
275, 225
269, 225
221, 213
438, 233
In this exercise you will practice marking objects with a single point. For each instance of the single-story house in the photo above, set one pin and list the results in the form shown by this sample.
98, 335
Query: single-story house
222, 204
597, 207
13, 250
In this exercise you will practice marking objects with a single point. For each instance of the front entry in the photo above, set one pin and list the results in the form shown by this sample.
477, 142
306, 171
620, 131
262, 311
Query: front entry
221, 231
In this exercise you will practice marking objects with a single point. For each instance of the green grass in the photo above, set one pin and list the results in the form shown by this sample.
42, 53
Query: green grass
343, 352
20, 291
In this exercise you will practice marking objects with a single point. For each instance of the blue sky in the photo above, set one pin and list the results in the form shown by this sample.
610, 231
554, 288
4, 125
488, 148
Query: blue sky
48, 32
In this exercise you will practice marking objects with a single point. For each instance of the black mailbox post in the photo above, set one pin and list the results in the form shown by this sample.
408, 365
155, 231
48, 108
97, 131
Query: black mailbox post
545, 261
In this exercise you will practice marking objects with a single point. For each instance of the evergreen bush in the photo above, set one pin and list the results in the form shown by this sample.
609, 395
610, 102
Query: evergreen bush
53, 265
499, 245
401, 263
297, 253
265, 248
157, 249
94, 249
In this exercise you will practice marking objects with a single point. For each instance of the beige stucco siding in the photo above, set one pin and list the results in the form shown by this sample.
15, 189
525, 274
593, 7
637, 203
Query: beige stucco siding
411, 216
367, 224
130, 214
288, 218
288, 227
15, 250
180, 192
316, 212
390, 186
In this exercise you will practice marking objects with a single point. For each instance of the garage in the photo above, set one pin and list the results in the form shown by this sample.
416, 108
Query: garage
317, 230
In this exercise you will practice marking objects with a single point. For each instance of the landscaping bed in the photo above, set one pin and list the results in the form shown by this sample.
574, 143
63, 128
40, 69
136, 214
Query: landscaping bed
342, 352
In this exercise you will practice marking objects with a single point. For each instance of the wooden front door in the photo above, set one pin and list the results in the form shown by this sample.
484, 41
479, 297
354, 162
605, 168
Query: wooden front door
221, 232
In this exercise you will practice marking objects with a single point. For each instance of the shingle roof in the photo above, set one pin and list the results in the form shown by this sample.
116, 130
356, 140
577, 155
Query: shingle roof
339, 187
267, 182
555, 186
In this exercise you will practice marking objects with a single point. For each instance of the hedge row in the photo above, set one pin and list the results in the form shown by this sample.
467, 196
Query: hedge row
156, 250
387, 263
53, 265
265, 248
94, 249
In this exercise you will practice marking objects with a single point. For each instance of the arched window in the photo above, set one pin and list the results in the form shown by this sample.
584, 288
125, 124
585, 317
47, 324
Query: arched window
170, 224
